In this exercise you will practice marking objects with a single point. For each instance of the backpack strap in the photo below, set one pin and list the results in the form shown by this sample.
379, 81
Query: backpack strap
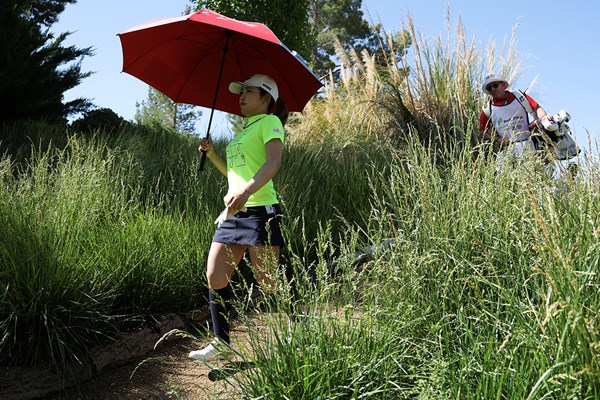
520, 96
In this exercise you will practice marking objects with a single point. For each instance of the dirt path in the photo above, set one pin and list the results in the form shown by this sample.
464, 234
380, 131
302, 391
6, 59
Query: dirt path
166, 373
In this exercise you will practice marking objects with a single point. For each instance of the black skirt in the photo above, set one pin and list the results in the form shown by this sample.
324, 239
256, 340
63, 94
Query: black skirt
257, 226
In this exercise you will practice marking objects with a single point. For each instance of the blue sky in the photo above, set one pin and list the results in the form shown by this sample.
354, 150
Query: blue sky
557, 43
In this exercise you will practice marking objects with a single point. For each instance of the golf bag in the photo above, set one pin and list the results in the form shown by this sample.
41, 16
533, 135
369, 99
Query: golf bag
552, 134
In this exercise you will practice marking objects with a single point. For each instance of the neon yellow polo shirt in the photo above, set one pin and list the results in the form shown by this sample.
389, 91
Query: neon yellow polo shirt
246, 154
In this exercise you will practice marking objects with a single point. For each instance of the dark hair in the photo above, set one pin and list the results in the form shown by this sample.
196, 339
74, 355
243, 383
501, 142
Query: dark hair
277, 108
280, 110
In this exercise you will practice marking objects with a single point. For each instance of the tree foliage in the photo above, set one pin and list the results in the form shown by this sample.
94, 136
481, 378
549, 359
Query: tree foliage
160, 109
100, 119
311, 27
35, 68
287, 19
341, 19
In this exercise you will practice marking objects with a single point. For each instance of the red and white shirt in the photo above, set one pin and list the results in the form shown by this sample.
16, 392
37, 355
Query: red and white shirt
508, 117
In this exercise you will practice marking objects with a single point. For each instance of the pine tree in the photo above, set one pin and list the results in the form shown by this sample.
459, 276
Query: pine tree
160, 109
35, 68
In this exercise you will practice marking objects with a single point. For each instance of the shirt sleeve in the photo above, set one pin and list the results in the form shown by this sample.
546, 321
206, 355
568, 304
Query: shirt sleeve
534, 105
483, 121
273, 129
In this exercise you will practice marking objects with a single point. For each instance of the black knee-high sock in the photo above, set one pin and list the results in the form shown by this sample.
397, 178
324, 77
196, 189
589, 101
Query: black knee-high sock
220, 305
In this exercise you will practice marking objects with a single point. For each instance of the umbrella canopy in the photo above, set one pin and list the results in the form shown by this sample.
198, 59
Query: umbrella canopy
193, 58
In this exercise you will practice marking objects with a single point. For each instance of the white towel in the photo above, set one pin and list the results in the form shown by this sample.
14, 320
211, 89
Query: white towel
226, 214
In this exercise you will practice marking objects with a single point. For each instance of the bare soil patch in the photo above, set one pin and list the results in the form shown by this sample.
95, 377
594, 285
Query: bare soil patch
165, 373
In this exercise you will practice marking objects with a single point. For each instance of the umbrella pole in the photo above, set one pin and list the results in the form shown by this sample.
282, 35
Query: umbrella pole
212, 111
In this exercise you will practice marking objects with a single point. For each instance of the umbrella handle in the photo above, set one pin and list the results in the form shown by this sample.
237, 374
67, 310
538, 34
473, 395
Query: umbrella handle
203, 155
202, 161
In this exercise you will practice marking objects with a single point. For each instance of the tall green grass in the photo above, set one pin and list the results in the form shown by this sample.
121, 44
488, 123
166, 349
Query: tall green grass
84, 254
489, 291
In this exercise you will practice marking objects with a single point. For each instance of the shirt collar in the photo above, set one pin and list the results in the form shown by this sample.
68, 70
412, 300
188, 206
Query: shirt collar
498, 102
254, 118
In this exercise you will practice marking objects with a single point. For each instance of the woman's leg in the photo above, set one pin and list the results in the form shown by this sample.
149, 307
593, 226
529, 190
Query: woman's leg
264, 260
222, 260
221, 263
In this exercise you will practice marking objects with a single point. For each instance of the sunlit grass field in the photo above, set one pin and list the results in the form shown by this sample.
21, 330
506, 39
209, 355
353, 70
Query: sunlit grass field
479, 285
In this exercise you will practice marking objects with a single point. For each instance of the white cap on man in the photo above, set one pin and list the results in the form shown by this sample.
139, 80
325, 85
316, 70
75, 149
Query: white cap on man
258, 80
491, 79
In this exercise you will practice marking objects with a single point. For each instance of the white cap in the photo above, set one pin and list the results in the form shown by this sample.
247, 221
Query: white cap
490, 79
259, 81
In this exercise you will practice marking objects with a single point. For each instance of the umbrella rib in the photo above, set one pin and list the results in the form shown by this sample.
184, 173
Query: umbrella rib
199, 61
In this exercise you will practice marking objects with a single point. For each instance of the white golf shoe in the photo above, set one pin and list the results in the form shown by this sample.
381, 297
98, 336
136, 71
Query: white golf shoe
217, 349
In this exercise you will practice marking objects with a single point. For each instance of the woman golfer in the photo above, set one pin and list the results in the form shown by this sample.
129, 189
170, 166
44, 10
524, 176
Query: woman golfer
253, 159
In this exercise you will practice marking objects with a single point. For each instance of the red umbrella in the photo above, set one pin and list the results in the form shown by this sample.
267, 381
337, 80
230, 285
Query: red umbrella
193, 58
